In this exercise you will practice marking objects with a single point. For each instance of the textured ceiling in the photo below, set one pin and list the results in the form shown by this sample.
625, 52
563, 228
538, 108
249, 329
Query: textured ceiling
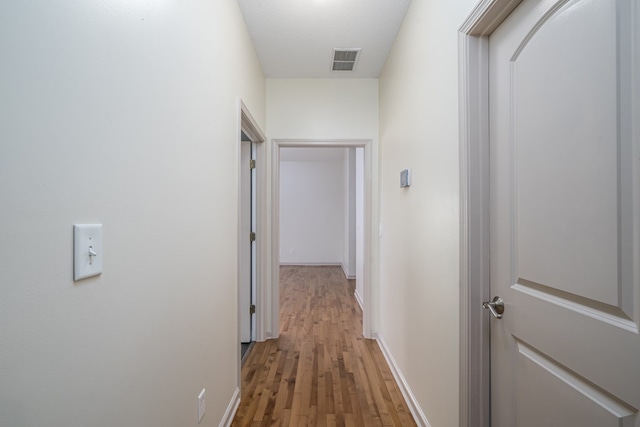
295, 38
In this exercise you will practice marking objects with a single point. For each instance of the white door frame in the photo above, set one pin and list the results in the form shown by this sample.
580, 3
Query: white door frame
370, 301
473, 50
248, 125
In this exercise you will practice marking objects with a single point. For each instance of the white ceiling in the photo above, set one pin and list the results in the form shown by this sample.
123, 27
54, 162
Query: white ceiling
295, 38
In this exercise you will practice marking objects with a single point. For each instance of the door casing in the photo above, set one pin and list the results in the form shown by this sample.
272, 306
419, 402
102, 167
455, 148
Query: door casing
473, 60
370, 300
248, 125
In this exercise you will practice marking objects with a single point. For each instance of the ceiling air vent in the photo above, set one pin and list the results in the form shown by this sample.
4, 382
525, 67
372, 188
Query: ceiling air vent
345, 59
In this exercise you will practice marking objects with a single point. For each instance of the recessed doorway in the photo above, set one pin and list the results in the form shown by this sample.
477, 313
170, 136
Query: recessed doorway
368, 294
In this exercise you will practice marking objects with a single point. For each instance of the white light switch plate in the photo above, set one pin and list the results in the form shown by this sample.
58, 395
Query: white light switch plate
87, 250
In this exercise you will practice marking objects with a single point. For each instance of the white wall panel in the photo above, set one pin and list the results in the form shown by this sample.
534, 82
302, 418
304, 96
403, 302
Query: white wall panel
349, 258
312, 206
419, 249
125, 114
360, 224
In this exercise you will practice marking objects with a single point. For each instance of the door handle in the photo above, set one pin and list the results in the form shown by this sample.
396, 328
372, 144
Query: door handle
496, 307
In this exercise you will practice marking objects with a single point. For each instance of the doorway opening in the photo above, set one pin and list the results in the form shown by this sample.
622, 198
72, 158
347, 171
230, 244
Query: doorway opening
365, 294
247, 261
250, 226
321, 215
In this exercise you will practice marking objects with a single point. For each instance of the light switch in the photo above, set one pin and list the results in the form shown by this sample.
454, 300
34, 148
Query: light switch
87, 250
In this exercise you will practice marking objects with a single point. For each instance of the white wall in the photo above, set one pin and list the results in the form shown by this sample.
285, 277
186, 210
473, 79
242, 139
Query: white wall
349, 247
359, 160
122, 113
322, 108
312, 205
419, 250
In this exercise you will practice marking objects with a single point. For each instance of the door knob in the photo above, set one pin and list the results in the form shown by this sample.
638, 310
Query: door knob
496, 307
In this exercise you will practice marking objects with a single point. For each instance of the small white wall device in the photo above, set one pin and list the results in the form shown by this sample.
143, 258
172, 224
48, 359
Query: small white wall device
405, 178
87, 250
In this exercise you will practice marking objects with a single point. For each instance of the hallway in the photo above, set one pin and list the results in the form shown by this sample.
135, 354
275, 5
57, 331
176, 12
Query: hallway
320, 371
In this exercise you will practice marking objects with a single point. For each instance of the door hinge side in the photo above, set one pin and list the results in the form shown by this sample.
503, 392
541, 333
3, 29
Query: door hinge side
252, 236
252, 164
252, 309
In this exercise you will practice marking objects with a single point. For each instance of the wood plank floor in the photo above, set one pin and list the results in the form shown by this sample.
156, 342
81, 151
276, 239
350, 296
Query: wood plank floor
320, 371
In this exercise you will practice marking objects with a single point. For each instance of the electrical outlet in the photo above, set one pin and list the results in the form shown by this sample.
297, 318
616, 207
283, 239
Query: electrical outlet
201, 406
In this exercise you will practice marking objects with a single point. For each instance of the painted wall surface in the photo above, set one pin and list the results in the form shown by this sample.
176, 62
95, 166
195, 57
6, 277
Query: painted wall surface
349, 246
322, 108
312, 205
360, 224
120, 113
419, 250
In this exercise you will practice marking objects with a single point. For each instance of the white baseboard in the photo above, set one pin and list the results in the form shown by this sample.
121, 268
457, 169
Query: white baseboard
346, 273
311, 264
418, 415
359, 299
320, 264
227, 419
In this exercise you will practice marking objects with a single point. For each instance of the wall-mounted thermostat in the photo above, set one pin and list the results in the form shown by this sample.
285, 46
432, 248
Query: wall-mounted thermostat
405, 178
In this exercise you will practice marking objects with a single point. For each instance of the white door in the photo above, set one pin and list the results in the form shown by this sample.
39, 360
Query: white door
565, 214
254, 245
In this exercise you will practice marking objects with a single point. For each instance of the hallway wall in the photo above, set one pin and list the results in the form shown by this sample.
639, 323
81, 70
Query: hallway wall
312, 218
419, 249
350, 220
322, 108
121, 113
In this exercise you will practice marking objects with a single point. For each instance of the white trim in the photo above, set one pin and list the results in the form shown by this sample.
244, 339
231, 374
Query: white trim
473, 48
486, 17
248, 125
320, 264
418, 415
313, 264
346, 272
358, 298
230, 413
370, 299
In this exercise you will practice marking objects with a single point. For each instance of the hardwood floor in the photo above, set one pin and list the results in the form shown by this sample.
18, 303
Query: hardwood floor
320, 371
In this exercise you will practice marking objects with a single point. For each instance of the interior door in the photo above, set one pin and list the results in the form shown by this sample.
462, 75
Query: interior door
565, 223
253, 262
